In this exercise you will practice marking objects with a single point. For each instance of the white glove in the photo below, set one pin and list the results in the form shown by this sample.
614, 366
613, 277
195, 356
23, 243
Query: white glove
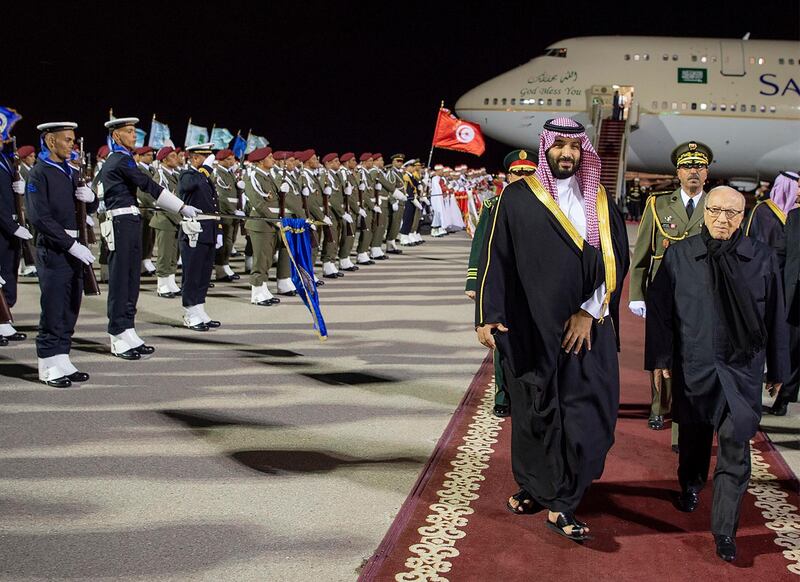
376, 209
347, 218
239, 213
305, 191
327, 190
395, 206
313, 226
84, 194
399, 195
189, 211
2, 281
378, 187
638, 308
426, 200
327, 220
348, 190
23, 233
362, 186
218, 244
285, 187
101, 209
18, 186
80, 252
362, 212
416, 203
240, 184
209, 161
89, 221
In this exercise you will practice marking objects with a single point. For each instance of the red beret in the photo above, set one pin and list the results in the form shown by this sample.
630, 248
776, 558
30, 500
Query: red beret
305, 155
102, 152
347, 157
365, 156
259, 154
25, 151
329, 157
376, 156
297, 155
143, 150
164, 152
178, 150
222, 154
280, 155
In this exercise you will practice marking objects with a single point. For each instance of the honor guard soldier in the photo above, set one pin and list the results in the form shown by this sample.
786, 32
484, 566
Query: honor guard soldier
200, 238
351, 209
408, 229
333, 211
228, 187
52, 190
27, 157
144, 159
667, 218
292, 207
312, 185
366, 203
120, 179
166, 226
380, 207
394, 175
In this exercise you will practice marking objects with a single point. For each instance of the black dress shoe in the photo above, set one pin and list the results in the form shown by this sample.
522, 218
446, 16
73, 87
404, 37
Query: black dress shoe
78, 377
656, 423
210, 285
370, 262
353, 268
62, 382
331, 276
226, 279
212, 323
502, 410
395, 251
265, 303
779, 408
3, 341
726, 547
131, 354
168, 295
288, 293
15, 337
144, 350
235, 277
380, 258
274, 301
320, 283
339, 274
198, 327
688, 500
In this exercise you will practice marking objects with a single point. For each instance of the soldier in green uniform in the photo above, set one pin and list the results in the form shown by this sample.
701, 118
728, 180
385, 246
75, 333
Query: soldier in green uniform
144, 159
291, 207
228, 188
668, 217
334, 194
350, 209
262, 202
366, 203
166, 226
380, 207
518, 164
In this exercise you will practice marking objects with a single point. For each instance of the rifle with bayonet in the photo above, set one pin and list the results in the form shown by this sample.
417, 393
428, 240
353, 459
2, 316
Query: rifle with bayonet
90, 286
327, 231
19, 202
304, 200
348, 227
87, 173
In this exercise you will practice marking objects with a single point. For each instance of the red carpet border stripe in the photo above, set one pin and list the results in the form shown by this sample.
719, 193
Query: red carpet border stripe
436, 547
780, 515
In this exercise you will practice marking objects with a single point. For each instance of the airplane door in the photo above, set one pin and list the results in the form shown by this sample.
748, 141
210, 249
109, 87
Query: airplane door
732, 53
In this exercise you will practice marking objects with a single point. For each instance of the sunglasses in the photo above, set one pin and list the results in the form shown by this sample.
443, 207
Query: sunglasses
693, 166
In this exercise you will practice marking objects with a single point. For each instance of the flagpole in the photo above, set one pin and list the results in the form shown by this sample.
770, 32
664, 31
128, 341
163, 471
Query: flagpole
186, 138
435, 130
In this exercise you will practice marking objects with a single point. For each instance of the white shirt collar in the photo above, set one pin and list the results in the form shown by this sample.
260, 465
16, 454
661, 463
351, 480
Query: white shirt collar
685, 197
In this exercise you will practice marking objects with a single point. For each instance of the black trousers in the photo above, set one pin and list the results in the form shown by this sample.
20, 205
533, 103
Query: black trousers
197, 265
10, 250
731, 475
408, 218
61, 284
791, 386
124, 273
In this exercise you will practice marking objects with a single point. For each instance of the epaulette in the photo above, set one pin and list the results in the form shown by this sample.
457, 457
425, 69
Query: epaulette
660, 193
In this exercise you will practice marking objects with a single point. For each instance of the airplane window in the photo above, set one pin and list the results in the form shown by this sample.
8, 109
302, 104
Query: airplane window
558, 102
556, 52
646, 56
752, 109
763, 109
761, 60
703, 59
683, 105
541, 101
772, 109
674, 105
791, 61
486, 101
549, 101
694, 58
636, 57
703, 107
627, 57
780, 61
504, 101
513, 101
752, 60
494, 101
713, 106
722, 107
694, 106
655, 104
664, 105
713, 59
568, 102
674, 57
743, 108
665, 57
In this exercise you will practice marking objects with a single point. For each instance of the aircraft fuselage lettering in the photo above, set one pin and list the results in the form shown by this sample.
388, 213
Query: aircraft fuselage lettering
772, 86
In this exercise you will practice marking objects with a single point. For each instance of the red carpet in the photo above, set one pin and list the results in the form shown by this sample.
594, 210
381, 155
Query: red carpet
454, 525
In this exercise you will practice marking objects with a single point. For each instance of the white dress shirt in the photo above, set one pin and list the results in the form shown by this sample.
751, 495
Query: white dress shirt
685, 197
570, 199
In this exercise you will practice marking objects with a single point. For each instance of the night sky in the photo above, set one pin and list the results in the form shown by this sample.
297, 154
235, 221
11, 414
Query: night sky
332, 76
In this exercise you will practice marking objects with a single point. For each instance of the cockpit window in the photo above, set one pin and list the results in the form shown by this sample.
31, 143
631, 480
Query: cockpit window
556, 52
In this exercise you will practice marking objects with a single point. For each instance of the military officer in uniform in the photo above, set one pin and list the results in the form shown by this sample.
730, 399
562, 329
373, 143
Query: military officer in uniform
292, 206
200, 238
27, 158
312, 186
394, 175
366, 203
666, 218
334, 193
166, 226
52, 189
352, 209
380, 207
228, 188
121, 178
262, 202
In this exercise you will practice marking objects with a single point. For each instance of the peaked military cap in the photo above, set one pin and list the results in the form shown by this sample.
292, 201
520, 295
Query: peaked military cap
53, 126
201, 148
401, 157
113, 124
692, 152
519, 160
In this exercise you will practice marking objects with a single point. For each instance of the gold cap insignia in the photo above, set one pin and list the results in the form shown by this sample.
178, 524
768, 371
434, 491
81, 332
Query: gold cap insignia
692, 146
523, 155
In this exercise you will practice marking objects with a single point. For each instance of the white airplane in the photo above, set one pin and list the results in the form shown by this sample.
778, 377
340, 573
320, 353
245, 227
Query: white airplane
741, 97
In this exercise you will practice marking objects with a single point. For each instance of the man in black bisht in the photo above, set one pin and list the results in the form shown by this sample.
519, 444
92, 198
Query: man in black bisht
551, 270
791, 287
715, 315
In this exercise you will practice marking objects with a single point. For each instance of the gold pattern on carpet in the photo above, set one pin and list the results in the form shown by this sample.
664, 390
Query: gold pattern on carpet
436, 547
780, 515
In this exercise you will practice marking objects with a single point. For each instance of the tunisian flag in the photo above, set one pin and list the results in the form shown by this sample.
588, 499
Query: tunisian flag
453, 133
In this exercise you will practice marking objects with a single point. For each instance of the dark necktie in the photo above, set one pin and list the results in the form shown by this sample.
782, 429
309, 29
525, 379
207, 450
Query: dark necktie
690, 208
